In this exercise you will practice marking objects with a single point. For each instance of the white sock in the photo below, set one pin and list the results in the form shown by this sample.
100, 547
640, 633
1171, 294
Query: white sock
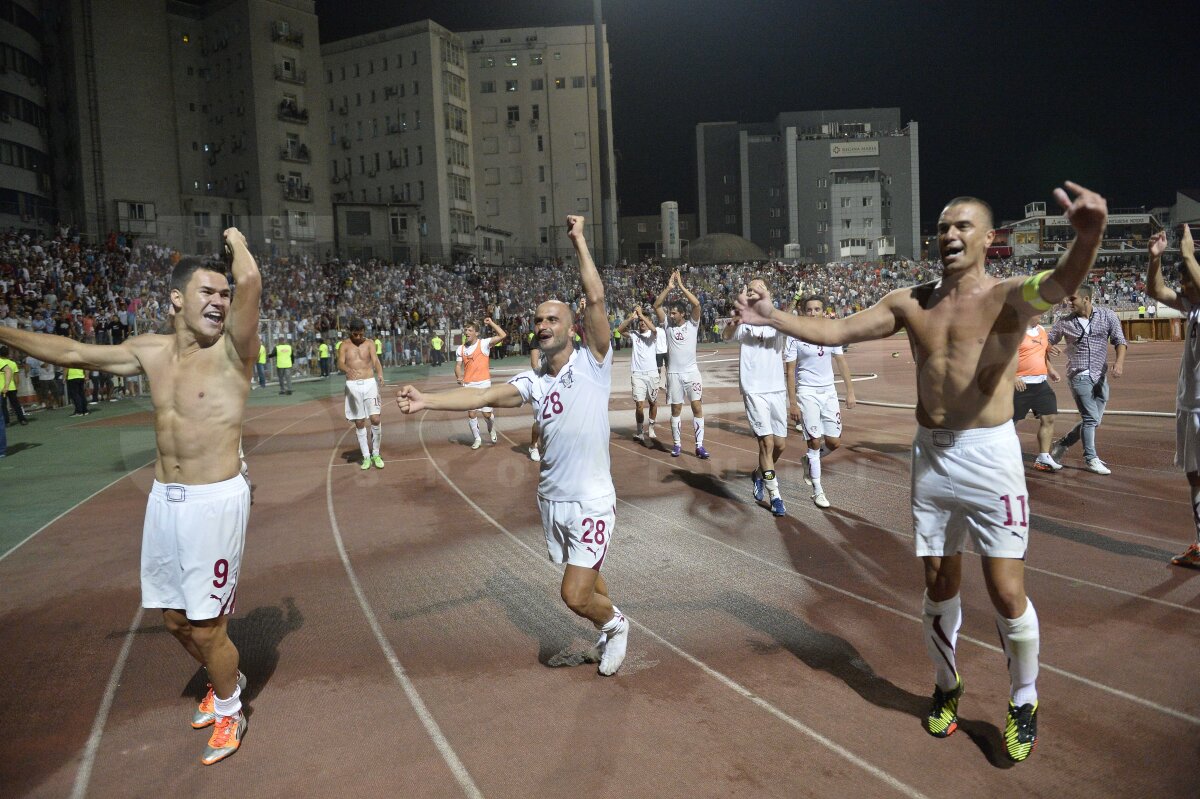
676, 428
376, 435
1021, 639
612, 624
698, 426
488, 419
361, 432
231, 706
474, 427
941, 621
814, 467
772, 483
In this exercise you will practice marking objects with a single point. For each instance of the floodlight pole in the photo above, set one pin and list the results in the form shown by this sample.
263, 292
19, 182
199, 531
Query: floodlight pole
607, 210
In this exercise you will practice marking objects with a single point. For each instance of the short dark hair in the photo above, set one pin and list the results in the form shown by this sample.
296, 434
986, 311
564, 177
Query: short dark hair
681, 306
1083, 291
3, 352
356, 325
181, 275
965, 200
812, 298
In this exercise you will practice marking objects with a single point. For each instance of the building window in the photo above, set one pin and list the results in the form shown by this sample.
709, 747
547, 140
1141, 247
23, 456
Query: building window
560, 83
513, 62
822, 183
537, 84
868, 202
580, 140
487, 62
487, 87
541, 174
540, 143
491, 176
846, 224
535, 112
510, 85
846, 201
577, 82
581, 171
514, 113
641, 227
542, 203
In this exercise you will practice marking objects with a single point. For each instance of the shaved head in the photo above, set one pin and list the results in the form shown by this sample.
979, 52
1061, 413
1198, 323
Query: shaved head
561, 307
987, 209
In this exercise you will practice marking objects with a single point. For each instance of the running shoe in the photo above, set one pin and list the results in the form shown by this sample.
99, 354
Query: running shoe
495, 437
820, 500
942, 720
1020, 730
650, 433
639, 438
614, 648
760, 486
206, 712
777, 507
1045, 463
1096, 466
701, 453
1189, 558
675, 450
477, 443
366, 464
226, 738
377, 461
534, 455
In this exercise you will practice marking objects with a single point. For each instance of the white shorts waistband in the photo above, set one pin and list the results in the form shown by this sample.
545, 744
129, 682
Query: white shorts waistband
964, 438
179, 492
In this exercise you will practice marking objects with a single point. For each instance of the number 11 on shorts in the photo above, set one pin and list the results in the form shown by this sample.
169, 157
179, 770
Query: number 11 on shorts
1008, 506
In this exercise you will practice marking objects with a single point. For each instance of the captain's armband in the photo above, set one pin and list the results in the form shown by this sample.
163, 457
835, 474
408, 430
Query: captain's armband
1031, 291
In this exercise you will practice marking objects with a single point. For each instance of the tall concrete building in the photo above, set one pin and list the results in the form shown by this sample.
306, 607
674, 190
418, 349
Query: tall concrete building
536, 139
399, 144
179, 119
25, 182
815, 185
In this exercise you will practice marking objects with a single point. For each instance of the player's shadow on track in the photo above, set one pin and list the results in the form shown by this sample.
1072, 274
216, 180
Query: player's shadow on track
535, 611
257, 635
886, 448
13, 449
837, 657
1098, 540
700, 481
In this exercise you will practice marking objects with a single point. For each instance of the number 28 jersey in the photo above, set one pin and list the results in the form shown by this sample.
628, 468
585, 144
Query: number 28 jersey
572, 409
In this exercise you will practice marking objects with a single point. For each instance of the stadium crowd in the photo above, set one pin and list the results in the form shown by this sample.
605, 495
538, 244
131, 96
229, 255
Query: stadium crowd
104, 293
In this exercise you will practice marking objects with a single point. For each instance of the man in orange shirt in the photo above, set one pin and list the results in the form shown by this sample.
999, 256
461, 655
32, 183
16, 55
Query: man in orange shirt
1033, 392
472, 370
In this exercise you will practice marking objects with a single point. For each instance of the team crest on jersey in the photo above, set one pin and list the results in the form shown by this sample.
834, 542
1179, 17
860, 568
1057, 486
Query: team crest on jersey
568, 378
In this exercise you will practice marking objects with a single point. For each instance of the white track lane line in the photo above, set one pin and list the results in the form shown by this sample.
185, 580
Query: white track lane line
84, 775
806, 505
101, 491
728, 682
1054, 669
431, 726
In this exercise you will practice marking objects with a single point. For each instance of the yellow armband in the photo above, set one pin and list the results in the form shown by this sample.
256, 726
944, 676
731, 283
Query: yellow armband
1031, 291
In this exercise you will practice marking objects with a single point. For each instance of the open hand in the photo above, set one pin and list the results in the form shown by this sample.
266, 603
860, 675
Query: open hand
754, 307
1158, 243
1087, 211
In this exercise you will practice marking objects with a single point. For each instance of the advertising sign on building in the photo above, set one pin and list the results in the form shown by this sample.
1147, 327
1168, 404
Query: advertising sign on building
849, 149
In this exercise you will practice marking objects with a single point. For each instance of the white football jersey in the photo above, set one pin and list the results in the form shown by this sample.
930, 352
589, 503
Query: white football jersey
681, 347
572, 409
760, 360
644, 349
814, 362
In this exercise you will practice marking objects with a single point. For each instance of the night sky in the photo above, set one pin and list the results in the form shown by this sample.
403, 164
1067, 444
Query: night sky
1012, 98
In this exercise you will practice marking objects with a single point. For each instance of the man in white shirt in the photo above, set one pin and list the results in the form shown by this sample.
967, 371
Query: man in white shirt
683, 376
575, 490
813, 400
764, 393
643, 371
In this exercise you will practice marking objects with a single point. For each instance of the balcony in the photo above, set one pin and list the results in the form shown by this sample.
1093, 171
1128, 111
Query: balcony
282, 33
290, 112
297, 155
290, 75
297, 193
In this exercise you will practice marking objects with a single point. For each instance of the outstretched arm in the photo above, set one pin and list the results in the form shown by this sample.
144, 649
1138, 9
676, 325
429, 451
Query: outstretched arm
499, 331
118, 359
1156, 287
503, 395
242, 325
1088, 214
659, 311
879, 321
691, 298
1187, 248
595, 316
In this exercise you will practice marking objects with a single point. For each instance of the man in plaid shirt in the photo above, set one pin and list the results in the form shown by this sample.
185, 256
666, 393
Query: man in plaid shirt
1088, 330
